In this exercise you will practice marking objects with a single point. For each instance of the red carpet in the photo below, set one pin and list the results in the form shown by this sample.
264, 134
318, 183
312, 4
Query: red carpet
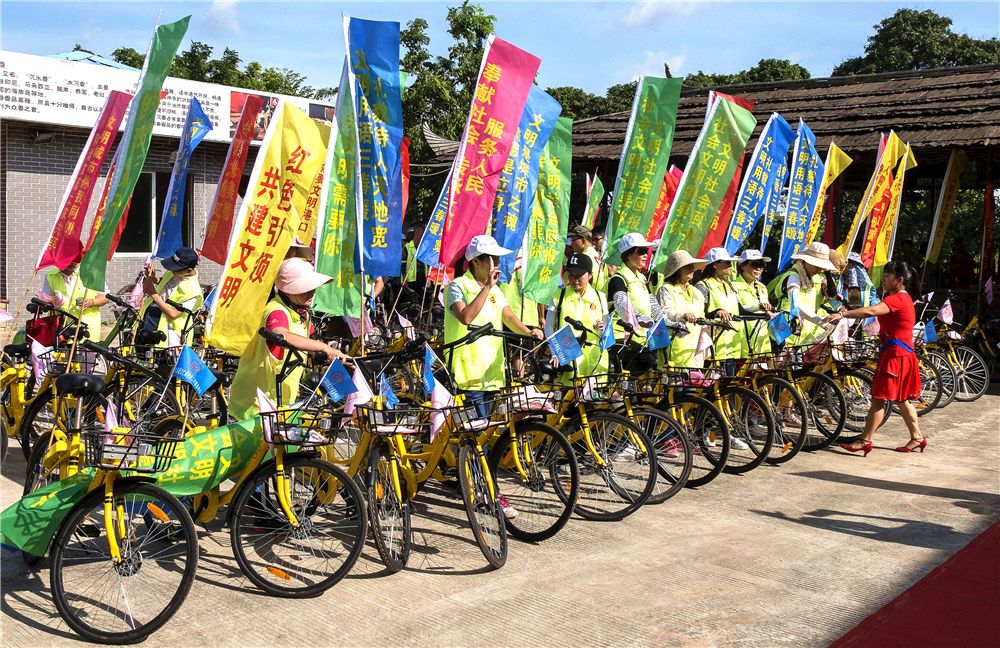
957, 604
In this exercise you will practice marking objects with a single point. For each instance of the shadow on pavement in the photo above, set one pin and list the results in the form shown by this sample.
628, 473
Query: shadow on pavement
965, 499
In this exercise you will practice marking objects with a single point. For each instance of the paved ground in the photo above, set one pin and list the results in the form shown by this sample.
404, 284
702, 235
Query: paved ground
795, 555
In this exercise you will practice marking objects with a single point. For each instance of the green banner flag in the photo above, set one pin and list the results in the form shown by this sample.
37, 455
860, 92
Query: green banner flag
594, 203
648, 140
339, 231
716, 154
549, 215
133, 148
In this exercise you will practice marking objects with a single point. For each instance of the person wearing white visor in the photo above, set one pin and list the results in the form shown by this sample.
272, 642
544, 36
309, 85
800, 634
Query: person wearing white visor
801, 285
628, 289
721, 302
752, 294
288, 315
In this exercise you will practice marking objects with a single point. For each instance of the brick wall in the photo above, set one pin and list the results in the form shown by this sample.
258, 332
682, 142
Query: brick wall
33, 178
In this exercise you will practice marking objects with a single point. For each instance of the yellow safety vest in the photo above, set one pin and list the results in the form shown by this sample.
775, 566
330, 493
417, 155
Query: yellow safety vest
258, 369
591, 306
524, 308
411, 262
638, 294
187, 289
74, 296
755, 336
479, 365
722, 296
600, 277
811, 298
686, 299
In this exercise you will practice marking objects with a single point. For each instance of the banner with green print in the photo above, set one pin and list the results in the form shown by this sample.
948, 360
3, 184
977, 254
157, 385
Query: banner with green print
716, 155
549, 215
648, 139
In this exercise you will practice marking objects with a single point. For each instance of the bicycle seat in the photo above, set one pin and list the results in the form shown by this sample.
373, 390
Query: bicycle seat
79, 384
17, 350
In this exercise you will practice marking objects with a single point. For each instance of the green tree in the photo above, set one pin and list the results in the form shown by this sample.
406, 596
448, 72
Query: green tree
917, 40
765, 70
577, 103
128, 56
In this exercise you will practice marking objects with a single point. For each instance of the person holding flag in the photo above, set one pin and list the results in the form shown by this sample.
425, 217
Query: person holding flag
475, 299
680, 301
179, 285
288, 315
752, 293
580, 302
722, 302
63, 289
628, 289
799, 290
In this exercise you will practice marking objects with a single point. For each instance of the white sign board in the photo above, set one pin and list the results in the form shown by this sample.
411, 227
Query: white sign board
67, 93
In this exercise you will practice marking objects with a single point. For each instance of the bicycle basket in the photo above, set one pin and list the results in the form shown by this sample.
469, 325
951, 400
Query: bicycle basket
131, 449
605, 388
401, 420
528, 399
855, 351
300, 426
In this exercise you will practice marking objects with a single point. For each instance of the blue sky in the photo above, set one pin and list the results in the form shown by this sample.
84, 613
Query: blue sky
587, 44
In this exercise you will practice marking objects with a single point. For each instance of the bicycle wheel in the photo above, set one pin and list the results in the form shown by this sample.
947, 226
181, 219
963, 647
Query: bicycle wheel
751, 427
544, 490
482, 504
930, 388
390, 516
826, 406
973, 377
857, 389
308, 558
707, 433
40, 416
790, 416
673, 452
946, 372
124, 602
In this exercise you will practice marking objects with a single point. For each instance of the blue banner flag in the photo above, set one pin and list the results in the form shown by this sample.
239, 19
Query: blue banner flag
337, 381
429, 250
373, 56
779, 328
196, 127
804, 190
385, 391
516, 189
193, 371
930, 332
658, 336
608, 334
564, 346
761, 183
428, 373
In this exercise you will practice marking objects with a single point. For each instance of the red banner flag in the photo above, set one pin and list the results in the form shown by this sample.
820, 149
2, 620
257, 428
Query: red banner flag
76, 200
504, 80
404, 158
220, 220
671, 180
720, 224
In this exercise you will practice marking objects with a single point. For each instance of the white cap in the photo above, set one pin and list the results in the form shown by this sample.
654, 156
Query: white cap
752, 255
718, 254
484, 244
634, 240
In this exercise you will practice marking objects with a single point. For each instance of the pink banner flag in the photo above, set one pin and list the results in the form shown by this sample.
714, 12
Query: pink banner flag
220, 219
505, 77
73, 210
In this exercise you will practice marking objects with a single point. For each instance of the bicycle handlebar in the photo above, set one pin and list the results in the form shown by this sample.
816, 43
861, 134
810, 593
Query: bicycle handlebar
118, 301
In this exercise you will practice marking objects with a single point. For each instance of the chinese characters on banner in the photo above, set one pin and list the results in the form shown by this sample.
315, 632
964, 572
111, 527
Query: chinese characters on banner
550, 215
133, 149
220, 223
803, 194
506, 76
73, 210
886, 239
836, 162
878, 186
671, 180
706, 178
429, 250
761, 181
946, 203
373, 60
881, 197
307, 223
196, 127
338, 230
291, 155
516, 189
648, 139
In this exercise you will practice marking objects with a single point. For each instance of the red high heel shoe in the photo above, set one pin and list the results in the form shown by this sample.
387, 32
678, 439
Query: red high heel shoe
866, 447
920, 446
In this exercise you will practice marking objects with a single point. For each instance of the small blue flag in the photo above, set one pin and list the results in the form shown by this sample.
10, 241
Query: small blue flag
337, 381
930, 332
210, 300
608, 335
564, 346
385, 390
658, 337
428, 374
780, 328
193, 371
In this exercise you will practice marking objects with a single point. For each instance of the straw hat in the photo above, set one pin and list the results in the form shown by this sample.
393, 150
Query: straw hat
816, 254
838, 261
678, 260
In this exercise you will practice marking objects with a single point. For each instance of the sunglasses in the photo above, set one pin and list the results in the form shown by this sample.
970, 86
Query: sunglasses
758, 264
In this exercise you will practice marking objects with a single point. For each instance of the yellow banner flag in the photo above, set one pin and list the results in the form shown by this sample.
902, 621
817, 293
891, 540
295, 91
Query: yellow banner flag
946, 203
878, 185
886, 238
290, 157
836, 162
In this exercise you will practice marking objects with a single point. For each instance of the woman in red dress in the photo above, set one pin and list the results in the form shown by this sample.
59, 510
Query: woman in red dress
897, 377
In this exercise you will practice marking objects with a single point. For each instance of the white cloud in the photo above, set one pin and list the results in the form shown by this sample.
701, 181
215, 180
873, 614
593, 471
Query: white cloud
221, 17
652, 64
645, 12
